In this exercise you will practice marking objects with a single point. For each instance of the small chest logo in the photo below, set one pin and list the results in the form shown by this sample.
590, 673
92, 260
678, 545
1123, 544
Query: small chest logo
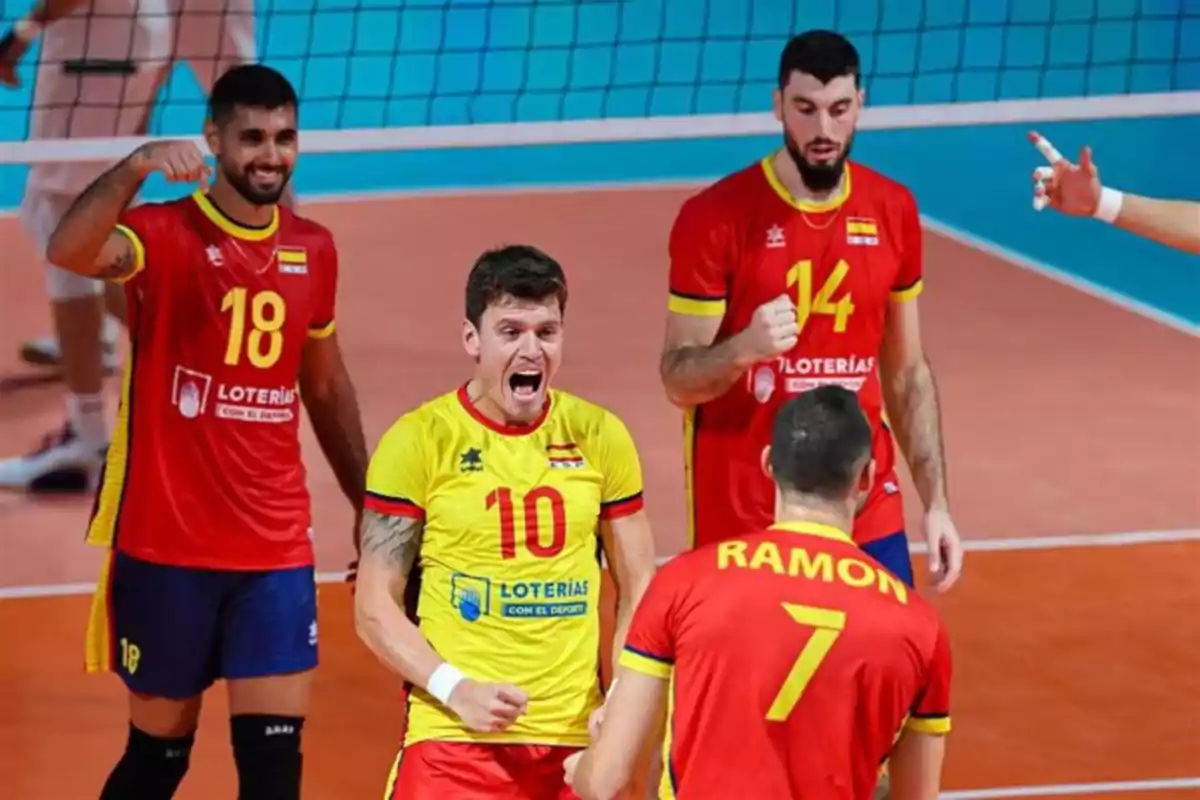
775, 238
292, 260
213, 254
565, 456
862, 231
471, 460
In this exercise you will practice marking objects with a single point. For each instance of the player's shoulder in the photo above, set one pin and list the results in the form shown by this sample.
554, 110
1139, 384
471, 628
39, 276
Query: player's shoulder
426, 422
878, 185
304, 228
585, 418
728, 193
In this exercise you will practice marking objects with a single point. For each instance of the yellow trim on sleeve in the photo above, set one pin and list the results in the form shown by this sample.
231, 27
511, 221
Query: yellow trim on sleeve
931, 725
322, 333
139, 252
695, 307
645, 664
904, 295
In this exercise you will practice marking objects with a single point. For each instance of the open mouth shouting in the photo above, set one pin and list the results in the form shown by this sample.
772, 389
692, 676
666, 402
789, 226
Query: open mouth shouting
526, 384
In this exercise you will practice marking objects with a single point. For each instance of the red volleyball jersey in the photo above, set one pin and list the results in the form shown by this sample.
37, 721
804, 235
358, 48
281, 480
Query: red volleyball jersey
744, 241
205, 469
795, 661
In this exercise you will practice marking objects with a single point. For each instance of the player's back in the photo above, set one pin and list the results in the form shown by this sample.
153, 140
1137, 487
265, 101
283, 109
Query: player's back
797, 660
205, 465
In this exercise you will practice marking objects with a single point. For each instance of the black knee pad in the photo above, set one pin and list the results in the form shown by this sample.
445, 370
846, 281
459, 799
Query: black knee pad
151, 767
266, 749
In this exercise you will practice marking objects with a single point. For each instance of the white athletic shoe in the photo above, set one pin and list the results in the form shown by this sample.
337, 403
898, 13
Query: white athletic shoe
62, 463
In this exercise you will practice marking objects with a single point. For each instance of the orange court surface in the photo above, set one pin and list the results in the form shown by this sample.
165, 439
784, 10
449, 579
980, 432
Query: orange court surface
1072, 430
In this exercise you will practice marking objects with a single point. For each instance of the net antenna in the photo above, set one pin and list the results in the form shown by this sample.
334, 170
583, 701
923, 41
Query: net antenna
383, 75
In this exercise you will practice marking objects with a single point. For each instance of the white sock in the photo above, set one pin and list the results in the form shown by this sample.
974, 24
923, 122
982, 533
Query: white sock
110, 329
86, 413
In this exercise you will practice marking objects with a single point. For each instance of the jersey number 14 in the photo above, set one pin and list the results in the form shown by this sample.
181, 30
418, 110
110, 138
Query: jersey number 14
267, 313
800, 280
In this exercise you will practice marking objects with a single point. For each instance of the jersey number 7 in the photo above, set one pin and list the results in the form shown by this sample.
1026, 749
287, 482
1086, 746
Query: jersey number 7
829, 624
800, 280
264, 345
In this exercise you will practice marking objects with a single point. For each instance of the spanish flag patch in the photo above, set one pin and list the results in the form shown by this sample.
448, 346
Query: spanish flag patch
861, 230
292, 260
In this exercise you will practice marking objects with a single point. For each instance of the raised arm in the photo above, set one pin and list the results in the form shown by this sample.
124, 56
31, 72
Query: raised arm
1076, 190
89, 240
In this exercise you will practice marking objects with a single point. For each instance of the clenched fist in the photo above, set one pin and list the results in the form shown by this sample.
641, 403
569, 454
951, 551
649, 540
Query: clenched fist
487, 707
774, 329
177, 160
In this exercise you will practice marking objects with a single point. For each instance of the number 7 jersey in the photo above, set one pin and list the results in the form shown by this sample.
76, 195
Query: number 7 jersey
744, 241
508, 565
205, 467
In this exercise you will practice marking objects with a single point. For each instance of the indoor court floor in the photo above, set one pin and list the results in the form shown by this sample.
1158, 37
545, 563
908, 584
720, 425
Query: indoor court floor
1072, 429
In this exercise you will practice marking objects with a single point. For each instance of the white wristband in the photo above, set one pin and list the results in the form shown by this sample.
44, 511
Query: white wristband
1109, 206
611, 688
442, 682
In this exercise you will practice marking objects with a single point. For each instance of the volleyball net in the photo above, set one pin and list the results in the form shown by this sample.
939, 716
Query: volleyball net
426, 74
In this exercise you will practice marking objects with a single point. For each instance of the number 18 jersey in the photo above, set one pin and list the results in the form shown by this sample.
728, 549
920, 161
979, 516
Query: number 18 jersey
508, 564
744, 241
205, 468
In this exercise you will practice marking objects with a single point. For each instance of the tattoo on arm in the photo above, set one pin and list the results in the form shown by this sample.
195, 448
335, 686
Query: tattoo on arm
391, 539
119, 266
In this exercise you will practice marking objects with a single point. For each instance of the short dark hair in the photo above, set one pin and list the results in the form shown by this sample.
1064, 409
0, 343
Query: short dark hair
520, 271
819, 443
249, 85
823, 54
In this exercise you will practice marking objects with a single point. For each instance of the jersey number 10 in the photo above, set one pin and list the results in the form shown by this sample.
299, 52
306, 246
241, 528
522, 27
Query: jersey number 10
800, 279
502, 499
264, 345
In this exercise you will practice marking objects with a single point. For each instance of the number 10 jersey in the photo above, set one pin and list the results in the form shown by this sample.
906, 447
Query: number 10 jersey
205, 467
508, 564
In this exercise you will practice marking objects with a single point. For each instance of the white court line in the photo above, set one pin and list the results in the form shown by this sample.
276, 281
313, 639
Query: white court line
1013, 544
1056, 790
992, 248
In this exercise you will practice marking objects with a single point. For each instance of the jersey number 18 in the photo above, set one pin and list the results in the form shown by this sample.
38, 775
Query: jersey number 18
268, 311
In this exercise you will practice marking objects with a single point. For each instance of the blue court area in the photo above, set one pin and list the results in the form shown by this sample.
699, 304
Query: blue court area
391, 63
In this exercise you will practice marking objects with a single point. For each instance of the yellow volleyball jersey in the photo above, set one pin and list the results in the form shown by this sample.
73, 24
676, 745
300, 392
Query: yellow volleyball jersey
509, 561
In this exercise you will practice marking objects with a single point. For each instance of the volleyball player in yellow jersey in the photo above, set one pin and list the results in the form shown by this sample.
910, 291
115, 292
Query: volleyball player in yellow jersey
500, 494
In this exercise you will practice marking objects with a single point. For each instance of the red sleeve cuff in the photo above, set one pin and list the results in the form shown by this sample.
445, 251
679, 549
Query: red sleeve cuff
392, 506
624, 507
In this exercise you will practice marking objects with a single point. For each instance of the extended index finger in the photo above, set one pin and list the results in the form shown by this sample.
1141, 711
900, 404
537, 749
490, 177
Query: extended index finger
1045, 148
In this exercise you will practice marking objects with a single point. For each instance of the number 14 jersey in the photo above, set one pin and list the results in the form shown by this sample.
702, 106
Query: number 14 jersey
509, 560
744, 241
205, 468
